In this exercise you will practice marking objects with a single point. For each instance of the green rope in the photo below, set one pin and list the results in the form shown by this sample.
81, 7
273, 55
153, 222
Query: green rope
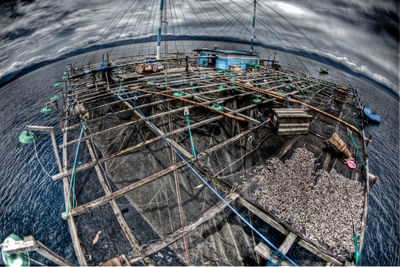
120, 86
355, 122
192, 90
301, 91
351, 137
72, 182
165, 79
356, 246
191, 139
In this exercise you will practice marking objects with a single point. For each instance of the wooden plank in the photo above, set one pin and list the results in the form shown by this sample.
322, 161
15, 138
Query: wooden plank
147, 142
71, 222
287, 243
269, 220
265, 252
30, 244
278, 96
157, 130
207, 215
192, 102
287, 146
159, 114
121, 260
117, 212
120, 192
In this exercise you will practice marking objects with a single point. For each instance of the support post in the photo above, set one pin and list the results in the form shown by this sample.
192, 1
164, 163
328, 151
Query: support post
254, 23
159, 30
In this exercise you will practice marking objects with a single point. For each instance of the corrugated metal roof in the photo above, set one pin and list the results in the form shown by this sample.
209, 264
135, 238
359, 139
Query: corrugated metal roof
237, 52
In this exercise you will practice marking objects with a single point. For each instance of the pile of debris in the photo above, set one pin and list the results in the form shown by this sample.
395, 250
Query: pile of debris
320, 205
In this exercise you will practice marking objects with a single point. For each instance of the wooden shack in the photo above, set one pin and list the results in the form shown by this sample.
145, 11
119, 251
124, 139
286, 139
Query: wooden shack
290, 121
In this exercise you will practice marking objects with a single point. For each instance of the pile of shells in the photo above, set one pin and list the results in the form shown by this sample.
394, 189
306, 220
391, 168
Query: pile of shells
320, 205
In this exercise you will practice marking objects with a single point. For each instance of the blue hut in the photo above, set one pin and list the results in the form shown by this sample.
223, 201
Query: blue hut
222, 59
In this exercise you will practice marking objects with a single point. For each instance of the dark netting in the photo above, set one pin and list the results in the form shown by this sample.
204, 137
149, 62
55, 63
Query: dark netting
229, 153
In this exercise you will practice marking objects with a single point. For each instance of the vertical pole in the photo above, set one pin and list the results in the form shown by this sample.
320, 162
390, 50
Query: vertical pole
165, 27
159, 30
254, 23
55, 150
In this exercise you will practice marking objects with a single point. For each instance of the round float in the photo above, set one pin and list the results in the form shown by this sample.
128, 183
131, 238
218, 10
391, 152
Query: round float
218, 107
27, 137
20, 259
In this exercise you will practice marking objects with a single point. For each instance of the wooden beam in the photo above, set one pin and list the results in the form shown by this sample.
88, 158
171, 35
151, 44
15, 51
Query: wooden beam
117, 212
157, 130
147, 142
157, 246
71, 222
30, 244
119, 193
269, 220
122, 191
161, 102
276, 95
192, 102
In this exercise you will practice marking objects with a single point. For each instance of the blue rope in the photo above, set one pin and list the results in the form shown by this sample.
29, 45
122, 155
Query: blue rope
70, 104
261, 118
208, 185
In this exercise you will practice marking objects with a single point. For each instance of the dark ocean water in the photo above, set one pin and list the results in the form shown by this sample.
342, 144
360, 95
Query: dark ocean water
33, 31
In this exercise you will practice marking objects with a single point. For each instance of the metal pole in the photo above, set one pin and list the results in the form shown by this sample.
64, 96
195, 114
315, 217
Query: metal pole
254, 23
53, 140
159, 30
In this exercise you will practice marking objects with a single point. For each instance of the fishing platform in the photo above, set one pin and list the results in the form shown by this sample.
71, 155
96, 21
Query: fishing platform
169, 162
213, 157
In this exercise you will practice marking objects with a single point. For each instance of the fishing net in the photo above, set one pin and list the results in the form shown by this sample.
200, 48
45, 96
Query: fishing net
227, 151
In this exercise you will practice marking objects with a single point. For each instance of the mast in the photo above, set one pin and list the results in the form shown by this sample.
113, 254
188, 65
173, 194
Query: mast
165, 27
254, 23
159, 29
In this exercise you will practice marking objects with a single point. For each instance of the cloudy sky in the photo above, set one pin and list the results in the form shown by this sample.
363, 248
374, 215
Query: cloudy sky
361, 34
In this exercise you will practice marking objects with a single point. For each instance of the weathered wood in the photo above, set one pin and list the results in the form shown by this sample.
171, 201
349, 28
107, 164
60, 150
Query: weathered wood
157, 130
160, 114
117, 212
262, 215
265, 252
191, 102
121, 260
147, 142
30, 244
206, 216
287, 146
275, 95
71, 222
283, 248
123, 191
120, 192
287, 243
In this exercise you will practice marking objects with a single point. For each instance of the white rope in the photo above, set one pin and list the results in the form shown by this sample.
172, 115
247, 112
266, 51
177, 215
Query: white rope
37, 157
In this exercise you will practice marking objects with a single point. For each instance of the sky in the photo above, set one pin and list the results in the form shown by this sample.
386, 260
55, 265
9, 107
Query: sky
361, 34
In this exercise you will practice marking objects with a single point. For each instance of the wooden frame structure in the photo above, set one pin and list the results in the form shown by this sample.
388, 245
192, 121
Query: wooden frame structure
267, 84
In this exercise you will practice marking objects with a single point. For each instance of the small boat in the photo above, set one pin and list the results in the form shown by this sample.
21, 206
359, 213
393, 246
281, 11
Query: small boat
323, 71
371, 116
